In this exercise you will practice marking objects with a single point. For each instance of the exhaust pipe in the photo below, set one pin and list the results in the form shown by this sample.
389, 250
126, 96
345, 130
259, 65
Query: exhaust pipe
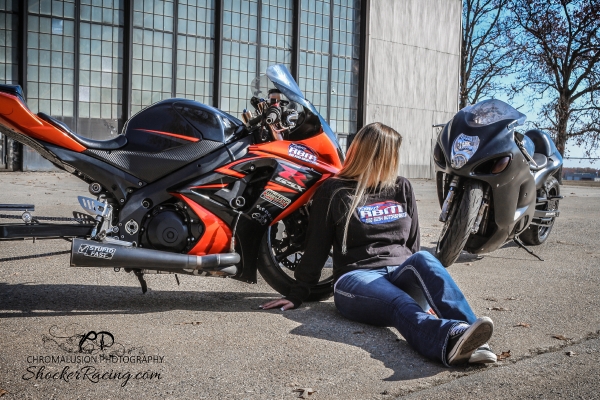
87, 253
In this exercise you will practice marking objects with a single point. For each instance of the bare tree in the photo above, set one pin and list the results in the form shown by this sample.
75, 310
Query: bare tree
483, 50
558, 43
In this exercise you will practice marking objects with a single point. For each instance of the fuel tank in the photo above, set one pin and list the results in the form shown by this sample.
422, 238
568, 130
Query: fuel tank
176, 122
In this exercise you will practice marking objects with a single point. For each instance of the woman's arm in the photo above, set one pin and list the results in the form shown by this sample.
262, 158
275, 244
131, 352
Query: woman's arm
414, 238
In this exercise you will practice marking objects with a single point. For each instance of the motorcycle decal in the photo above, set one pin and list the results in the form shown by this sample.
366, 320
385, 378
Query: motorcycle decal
97, 251
211, 186
189, 138
278, 188
262, 215
226, 171
275, 198
261, 218
381, 213
302, 152
292, 178
293, 185
463, 148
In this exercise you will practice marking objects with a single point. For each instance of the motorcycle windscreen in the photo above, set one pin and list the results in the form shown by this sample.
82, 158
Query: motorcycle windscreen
488, 112
283, 80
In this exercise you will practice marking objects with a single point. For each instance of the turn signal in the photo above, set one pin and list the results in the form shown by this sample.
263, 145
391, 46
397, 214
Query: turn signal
500, 165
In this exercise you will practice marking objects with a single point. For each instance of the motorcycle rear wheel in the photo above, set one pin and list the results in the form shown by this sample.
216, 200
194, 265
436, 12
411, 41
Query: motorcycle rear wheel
535, 234
457, 229
279, 255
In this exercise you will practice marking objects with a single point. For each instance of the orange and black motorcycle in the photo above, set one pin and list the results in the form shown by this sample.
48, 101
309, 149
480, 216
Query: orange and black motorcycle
187, 188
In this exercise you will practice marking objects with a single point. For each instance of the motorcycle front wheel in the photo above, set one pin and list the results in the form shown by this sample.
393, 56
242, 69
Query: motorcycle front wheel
461, 218
281, 250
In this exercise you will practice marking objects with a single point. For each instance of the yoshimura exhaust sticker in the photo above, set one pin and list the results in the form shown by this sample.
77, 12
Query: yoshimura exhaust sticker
302, 152
275, 198
381, 213
97, 251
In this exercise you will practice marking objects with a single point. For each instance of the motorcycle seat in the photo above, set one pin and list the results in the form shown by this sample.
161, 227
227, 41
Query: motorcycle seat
541, 161
541, 142
111, 144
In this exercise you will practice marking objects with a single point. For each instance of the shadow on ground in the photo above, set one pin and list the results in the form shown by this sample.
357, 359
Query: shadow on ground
318, 320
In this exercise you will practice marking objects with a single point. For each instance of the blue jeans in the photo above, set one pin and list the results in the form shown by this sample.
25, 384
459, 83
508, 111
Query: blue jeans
397, 296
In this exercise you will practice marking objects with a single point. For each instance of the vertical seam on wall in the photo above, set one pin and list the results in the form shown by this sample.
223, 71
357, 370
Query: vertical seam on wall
258, 34
218, 53
127, 61
76, 65
174, 57
296, 40
329, 64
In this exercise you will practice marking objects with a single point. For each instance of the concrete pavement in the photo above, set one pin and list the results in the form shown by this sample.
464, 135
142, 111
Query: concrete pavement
216, 343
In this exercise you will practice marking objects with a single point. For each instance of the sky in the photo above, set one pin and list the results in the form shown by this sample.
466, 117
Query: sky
572, 149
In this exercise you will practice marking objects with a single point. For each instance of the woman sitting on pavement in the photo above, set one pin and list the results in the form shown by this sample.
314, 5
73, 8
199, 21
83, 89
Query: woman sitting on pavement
369, 215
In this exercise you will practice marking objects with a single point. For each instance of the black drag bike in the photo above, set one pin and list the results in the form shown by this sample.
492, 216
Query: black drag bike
494, 184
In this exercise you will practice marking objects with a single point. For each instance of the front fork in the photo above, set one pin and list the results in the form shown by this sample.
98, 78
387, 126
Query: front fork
449, 198
483, 209
483, 212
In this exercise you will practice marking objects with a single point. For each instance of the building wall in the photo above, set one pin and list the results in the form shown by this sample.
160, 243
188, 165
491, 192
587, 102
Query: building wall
412, 73
94, 63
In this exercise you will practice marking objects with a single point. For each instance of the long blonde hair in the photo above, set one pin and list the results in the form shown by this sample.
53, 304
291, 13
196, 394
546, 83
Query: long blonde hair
372, 161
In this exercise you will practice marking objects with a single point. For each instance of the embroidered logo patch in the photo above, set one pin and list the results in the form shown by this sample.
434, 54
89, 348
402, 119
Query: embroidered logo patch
381, 213
302, 152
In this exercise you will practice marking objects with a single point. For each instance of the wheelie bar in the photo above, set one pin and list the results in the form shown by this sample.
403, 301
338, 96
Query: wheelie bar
43, 231
87, 253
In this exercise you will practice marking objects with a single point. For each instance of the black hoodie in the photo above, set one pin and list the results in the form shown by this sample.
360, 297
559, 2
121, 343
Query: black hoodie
383, 231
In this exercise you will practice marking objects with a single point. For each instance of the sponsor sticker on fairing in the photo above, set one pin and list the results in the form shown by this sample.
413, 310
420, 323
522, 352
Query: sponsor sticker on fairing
302, 152
381, 213
275, 198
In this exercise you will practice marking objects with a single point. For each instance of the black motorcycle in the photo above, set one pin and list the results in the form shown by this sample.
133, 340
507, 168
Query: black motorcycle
494, 184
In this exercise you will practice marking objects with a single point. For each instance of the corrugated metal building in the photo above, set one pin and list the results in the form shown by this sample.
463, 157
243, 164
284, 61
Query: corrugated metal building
94, 63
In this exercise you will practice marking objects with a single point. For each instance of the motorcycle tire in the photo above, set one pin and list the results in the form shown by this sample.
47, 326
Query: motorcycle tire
534, 234
457, 229
279, 275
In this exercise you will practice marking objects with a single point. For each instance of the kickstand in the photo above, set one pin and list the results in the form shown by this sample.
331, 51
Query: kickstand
521, 245
177, 279
140, 275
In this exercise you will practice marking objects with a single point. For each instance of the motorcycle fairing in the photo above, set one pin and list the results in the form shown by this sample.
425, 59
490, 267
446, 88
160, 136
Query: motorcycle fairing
15, 116
496, 140
283, 80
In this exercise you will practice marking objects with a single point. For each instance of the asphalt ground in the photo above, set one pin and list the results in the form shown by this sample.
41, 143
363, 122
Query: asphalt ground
207, 339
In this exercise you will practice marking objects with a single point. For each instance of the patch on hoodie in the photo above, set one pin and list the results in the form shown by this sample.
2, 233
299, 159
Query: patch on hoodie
381, 213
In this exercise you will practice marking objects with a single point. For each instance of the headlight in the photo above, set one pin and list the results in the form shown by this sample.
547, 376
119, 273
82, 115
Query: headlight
463, 149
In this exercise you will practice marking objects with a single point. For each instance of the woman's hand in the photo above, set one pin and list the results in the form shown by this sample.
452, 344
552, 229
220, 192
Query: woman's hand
282, 304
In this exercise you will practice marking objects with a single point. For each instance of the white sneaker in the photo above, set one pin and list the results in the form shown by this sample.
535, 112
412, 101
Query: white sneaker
464, 339
483, 355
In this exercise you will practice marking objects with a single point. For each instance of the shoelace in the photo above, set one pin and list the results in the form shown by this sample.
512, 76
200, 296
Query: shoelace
458, 329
